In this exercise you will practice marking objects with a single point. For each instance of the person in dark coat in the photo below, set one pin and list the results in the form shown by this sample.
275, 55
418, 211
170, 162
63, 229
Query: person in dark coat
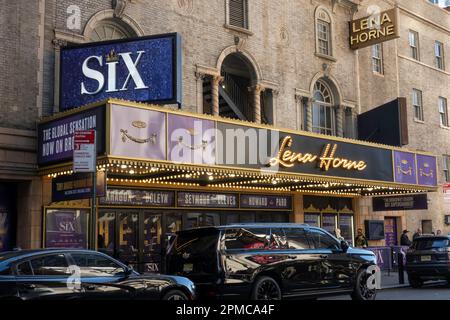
404, 240
417, 234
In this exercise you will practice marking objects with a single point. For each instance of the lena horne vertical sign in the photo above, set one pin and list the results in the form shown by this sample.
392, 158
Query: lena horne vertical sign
146, 69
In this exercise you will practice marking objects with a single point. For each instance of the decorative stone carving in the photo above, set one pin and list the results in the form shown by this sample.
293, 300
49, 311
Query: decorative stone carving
58, 43
119, 7
285, 38
187, 6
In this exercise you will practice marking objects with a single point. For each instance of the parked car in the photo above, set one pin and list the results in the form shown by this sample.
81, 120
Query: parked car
270, 262
82, 275
428, 258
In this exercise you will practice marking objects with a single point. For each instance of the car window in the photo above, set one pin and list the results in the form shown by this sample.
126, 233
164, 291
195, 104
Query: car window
427, 244
92, 265
24, 269
296, 238
50, 265
5, 272
243, 238
198, 242
278, 240
321, 240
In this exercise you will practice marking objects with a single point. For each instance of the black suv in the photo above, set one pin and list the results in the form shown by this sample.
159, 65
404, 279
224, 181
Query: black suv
270, 262
428, 258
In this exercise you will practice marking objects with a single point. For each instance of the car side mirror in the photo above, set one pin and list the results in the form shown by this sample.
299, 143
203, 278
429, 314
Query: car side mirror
344, 246
128, 271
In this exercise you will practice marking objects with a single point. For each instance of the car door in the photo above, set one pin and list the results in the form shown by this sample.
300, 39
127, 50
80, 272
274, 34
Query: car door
301, 271
101, 277
334, 264
45, 277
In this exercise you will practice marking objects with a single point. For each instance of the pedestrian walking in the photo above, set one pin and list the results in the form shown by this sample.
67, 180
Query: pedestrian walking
361, 240
404, 239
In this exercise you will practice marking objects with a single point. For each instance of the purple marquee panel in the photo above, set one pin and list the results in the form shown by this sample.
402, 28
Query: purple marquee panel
426, 170
405, 167
191, 140
138, 133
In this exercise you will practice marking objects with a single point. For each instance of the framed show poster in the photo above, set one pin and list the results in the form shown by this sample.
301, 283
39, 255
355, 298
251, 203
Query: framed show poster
66, 228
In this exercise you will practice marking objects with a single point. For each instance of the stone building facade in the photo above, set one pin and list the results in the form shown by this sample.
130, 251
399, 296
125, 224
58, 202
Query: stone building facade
279, 44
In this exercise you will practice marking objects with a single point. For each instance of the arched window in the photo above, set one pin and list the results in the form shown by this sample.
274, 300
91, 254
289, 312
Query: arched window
323, 33
110, 29
323, 114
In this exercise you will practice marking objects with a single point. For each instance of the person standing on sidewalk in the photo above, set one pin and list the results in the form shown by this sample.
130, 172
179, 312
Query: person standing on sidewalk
417, 234
404, 240
361, 240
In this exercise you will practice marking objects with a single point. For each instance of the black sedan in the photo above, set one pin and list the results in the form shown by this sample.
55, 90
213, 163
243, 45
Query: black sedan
82, 275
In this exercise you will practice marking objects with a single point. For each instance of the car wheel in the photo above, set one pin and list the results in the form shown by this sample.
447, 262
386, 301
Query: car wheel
175, 295
415, 282
266, 288
361, 291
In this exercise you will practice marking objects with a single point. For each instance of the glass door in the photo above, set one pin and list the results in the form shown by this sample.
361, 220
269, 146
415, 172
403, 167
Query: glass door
313, 219
346, 227
151, 244
128, 238
106, 233
329, 222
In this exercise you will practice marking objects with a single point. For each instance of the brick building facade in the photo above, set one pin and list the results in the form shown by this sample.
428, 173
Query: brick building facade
279, 43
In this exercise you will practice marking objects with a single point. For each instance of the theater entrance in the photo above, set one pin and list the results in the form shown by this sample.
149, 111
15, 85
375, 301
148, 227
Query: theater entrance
139, 237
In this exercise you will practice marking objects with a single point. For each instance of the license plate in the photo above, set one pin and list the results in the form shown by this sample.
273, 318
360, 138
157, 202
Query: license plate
425, 258
188, 267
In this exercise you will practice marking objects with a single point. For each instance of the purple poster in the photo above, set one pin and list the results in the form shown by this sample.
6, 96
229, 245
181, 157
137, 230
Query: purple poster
191, 140
253, 201
405, 167
426, 170
55, 138
66, 228
138, 133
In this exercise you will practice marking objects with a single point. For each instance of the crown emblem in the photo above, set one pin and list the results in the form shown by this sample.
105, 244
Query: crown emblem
139, 124
112, 56
426, 165
404, 161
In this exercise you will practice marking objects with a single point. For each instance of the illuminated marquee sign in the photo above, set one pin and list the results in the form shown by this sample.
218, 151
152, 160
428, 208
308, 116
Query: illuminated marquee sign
375, 29
287, 158
146, 69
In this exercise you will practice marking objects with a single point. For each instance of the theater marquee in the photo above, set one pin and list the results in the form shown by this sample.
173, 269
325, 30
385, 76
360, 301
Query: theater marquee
374, 29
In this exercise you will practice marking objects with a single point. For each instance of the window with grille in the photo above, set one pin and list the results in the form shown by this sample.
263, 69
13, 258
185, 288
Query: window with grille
439, 53
323, 37
417, 104
443, 112
414, 44
238, 13
323, 115
377, 58
445, 166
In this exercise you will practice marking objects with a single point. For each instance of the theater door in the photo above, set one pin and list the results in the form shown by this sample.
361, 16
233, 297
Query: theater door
135, 237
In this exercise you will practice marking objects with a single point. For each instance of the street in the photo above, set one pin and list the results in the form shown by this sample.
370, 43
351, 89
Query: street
435, 291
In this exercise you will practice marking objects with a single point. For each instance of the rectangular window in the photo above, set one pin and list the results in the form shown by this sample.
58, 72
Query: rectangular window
446, 167
414, 44
377, 58
324, 37
238, 13
443, 112
439, 53
417, 104
434, 1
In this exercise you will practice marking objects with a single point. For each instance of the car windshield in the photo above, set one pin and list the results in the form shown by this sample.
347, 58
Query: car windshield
430, 243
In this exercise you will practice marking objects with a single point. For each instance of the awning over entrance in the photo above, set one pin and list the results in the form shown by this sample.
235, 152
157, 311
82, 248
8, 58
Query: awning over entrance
153, 146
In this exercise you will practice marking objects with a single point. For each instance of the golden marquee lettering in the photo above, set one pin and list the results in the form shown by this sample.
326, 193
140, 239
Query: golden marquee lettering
328, 160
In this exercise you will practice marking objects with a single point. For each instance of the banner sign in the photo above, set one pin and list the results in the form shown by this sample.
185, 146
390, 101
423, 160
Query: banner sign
146, 69
399, 203
55, 138
253, 201
66, 228
134, 197
77, 186
377, 28
207, 200
84, 157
